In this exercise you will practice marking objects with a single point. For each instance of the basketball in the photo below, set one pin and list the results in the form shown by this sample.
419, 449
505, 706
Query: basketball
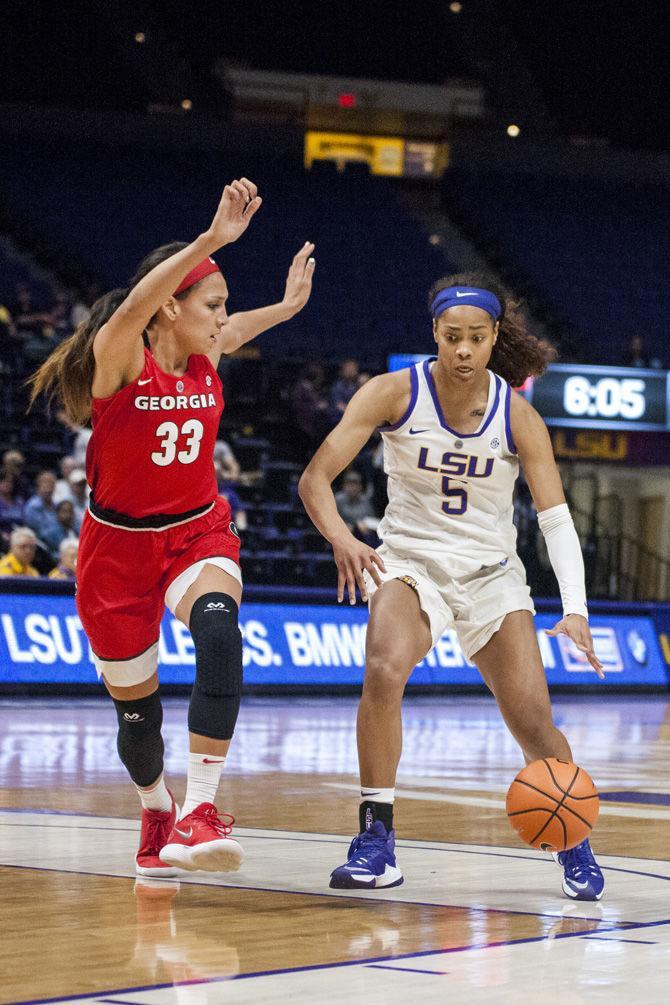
552, 804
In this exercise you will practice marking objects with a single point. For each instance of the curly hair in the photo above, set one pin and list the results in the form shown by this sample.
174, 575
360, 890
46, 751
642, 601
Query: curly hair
517, 353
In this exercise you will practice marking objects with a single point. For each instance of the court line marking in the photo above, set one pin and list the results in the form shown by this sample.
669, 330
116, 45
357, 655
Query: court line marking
487, 803
322, 893
246, 833
322, 839
407, 843
408, 970
92, 995
639, 942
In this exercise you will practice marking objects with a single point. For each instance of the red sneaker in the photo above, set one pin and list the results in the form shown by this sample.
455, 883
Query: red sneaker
201, 840
156, 829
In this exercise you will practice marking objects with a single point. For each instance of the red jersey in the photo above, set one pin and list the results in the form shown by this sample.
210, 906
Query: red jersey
152, 446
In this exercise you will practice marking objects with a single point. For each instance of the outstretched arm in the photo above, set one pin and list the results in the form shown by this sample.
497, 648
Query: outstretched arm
379, 402
565, 554
246, 325
118, 345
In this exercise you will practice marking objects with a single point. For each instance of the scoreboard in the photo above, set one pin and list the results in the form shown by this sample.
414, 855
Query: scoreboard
602, 397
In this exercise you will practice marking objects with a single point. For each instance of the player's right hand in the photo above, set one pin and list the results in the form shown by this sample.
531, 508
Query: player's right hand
239, 202
352, 558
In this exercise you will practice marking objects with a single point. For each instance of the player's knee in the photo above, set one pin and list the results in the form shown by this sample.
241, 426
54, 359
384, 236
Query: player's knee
217, 690
385, 676
139, 741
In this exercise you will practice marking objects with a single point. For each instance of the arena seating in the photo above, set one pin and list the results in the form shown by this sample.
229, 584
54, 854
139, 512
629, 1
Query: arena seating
596, 251
112, 206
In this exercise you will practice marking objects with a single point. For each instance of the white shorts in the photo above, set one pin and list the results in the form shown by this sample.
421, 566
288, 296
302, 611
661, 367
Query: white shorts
474, 605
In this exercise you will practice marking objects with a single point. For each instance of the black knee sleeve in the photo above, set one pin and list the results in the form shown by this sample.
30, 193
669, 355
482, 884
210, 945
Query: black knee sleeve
139, 742
215, 699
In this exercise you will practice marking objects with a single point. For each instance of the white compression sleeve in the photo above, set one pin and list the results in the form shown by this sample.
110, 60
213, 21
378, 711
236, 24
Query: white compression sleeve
565, 555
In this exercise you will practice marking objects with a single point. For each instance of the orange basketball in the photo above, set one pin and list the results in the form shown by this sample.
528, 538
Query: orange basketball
552, 804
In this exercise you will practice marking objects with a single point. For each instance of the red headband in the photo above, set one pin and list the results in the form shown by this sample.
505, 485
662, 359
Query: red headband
205, 268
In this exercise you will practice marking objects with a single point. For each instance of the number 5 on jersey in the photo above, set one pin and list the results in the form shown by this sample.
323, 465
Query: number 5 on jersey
458, 499
192, 430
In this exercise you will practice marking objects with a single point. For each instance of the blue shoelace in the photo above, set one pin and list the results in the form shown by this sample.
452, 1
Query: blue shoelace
580, 860
366, 843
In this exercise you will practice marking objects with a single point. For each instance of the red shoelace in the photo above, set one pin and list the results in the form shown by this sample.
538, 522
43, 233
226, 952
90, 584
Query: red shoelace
216, 820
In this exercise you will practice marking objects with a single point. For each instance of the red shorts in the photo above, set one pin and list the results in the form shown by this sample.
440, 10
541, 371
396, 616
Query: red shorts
122, 576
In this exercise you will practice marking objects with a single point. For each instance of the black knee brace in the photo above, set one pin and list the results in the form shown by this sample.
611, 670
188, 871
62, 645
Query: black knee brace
139, 742
215, 699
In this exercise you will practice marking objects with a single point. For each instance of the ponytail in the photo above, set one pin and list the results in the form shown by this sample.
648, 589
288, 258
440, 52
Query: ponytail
67, 373
517, 353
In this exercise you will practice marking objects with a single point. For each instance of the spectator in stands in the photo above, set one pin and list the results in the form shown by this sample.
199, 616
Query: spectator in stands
81, 309
33, 326
310, 405
67, 561
60, 315
344, 388
77, 438
16, 562
9, 342
40, 512
28, 320
11, 504
13, 461
637, 355
226, 489
355, 508
67, 528
79, 494
66, 465
225, 458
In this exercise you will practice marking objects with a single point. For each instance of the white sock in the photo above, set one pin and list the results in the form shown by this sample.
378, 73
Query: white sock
371, 795
155, 798
204, 772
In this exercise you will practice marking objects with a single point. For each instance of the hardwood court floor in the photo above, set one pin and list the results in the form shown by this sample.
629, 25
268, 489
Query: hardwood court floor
479, 917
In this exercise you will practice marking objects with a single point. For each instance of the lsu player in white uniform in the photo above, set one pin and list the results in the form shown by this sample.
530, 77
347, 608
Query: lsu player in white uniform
454, 435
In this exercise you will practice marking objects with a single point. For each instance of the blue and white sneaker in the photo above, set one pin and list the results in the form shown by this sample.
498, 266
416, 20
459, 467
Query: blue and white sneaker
370, 863
582, 877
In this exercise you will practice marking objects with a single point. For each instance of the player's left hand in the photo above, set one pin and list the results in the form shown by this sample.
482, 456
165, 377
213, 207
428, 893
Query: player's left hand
577, 628
239, 202
299, 279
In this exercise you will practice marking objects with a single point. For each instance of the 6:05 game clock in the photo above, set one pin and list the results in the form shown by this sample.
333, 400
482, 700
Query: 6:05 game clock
602, 397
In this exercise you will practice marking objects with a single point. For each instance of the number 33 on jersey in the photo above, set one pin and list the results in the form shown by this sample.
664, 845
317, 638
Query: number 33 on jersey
159, 434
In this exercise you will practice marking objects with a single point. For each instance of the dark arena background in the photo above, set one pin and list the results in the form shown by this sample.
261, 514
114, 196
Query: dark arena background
408, 142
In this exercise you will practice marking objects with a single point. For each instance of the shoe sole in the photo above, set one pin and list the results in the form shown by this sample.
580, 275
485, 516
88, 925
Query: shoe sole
213, 856
392, 877
157, 872
580, 894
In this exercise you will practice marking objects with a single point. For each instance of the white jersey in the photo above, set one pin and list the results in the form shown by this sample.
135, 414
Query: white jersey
450, 493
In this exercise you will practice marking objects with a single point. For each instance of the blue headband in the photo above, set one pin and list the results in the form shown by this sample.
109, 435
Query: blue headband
473, 296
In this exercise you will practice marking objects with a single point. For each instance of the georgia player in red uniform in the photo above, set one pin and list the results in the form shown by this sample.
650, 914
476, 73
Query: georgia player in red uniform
156, 532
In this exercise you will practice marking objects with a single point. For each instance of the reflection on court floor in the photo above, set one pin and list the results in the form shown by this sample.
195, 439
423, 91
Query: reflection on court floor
479, 918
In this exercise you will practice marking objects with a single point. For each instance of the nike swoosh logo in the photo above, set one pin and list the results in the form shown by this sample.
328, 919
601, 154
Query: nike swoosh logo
184, 834
580, 886
415, 432
207, 760
141, 382
466, 294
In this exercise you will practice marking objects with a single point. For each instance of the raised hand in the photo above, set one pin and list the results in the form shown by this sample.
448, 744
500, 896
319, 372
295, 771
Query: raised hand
238, 204
352, 558
299, 279
577, 628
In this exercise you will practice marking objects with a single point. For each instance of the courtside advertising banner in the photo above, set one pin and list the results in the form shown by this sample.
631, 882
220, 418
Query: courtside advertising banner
42, 641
